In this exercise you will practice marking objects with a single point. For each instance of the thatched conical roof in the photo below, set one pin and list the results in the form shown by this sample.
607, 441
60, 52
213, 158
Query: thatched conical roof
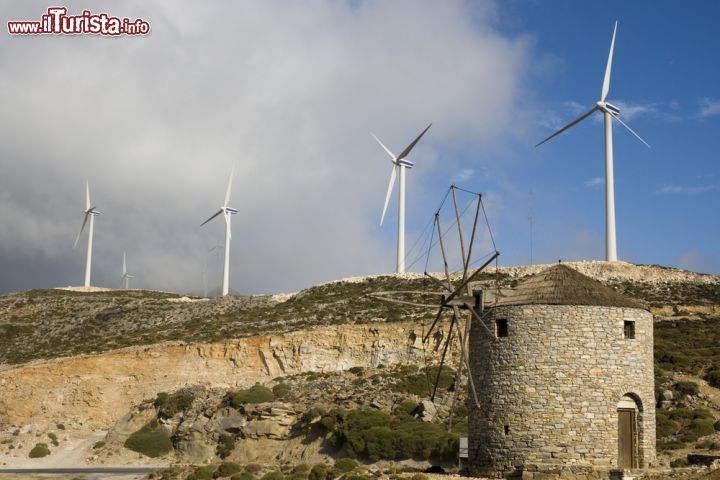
562, 285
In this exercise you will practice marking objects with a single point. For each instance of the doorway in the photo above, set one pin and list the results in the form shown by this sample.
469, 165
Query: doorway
627, 433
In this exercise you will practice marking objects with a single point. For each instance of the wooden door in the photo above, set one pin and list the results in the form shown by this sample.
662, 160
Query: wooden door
626, 438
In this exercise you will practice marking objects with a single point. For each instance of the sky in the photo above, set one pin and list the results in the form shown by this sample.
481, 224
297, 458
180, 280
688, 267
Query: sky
289, 92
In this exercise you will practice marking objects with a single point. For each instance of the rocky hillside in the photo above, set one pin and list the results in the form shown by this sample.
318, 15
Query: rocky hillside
107, 365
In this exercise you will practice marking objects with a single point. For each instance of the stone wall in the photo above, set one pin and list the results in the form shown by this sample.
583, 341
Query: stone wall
549, 391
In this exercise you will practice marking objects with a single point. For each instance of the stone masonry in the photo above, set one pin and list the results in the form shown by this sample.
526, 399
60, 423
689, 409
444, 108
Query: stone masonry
549, 390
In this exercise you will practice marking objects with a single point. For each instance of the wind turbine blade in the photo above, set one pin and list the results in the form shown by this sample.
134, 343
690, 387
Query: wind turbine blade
579, 119
389, 192
606, 81
410, 147
81, 230
631, 130
218, 213
124, 265
392, 155
229, 187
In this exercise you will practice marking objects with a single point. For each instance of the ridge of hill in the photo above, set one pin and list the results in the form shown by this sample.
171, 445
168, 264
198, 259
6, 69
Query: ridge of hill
46, 324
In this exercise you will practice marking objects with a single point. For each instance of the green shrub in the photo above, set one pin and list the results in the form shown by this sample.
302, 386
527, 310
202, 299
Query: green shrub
300, 472
255, 394
281, 391
423, 382
419, 476
687, 388
39, 450
60, 426
679, 462
242, 476
98, 445
670, 445
696, 429
253, 468
275, 475
53, 438
716, 425
319, 471
226, 444
406, 407
170, 405
356, 370
202, 473
709, 445
344, 465
152, 440
357, 477
681, 414
227, 469
161, 399
665, 426
713, 378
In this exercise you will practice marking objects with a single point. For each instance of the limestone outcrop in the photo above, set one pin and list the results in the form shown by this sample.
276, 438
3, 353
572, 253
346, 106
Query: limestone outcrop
96, 390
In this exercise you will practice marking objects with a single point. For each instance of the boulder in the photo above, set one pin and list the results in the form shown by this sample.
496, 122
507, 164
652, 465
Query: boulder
427, 411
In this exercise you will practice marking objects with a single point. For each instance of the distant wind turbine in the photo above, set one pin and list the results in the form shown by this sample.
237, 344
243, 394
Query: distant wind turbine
90, 213
125, 275
399, 163
226, 211
610, 112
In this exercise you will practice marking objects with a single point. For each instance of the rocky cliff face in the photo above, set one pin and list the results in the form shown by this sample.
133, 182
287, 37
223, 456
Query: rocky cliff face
97, 390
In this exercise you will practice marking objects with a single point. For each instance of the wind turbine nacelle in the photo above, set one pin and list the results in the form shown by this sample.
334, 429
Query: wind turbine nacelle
609, 108
231, 210
405, 163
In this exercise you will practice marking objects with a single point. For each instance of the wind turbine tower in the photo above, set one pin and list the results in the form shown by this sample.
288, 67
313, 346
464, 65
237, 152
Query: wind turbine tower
125, 275
400, 163
610, 113
90, 212
226, 211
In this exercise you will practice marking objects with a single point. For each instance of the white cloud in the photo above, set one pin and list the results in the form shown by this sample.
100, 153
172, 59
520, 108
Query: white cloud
708, 107
630, 110
687, 189
463, 175
594, 182
287, 90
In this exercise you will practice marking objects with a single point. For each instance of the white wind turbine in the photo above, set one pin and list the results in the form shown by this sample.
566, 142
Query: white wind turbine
226, 211
399, 163
610, 112
90, 212
125, 275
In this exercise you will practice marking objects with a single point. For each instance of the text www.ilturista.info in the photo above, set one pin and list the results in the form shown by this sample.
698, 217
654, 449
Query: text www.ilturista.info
57, 22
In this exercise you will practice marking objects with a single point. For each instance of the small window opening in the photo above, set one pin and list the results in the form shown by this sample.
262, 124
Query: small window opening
629, 329
501, 327
507, 429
